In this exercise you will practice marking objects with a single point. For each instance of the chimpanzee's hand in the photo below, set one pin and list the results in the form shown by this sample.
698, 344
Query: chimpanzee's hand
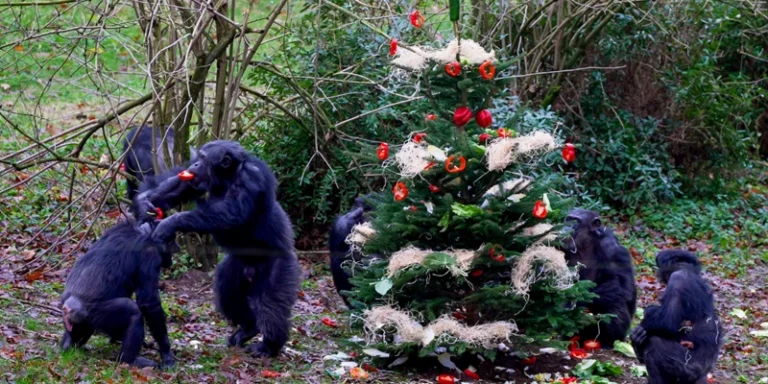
638, 335
145, 210
165, 231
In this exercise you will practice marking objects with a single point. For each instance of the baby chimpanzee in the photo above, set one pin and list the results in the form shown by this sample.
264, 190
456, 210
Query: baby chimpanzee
97, 296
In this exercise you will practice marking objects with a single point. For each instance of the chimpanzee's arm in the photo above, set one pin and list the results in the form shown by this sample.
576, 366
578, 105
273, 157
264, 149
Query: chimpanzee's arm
667, 319
169, 193
227, 213
148, 299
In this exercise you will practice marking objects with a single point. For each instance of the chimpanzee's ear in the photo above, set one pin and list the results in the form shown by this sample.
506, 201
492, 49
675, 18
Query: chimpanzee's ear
597, 226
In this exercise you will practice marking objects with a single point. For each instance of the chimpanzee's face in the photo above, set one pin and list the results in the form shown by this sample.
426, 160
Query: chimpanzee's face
583, 228
213, 165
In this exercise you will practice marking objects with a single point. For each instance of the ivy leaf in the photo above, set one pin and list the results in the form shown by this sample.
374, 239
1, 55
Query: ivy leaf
444, 221
738, 312
463, 210
638, 370
624, 348
383, 286
438, 260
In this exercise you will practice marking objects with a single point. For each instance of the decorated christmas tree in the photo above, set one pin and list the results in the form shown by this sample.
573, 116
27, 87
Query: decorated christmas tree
461, 250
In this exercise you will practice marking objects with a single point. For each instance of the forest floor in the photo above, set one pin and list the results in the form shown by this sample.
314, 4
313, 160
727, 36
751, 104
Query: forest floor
30, 326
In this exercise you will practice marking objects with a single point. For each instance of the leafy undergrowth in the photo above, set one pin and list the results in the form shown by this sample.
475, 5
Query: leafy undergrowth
30, 326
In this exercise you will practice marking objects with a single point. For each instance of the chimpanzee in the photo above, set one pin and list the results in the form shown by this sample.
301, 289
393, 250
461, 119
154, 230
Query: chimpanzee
97, 296
338, 247
680, 339
138, 160
609, 266
242, 213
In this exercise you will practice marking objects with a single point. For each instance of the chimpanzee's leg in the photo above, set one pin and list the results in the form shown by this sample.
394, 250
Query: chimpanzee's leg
274, 301
232, 300
122, 317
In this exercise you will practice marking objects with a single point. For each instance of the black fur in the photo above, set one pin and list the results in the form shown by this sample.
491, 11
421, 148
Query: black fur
138, 160
687, 299
609, 266
339, 249
258, 280
97, 296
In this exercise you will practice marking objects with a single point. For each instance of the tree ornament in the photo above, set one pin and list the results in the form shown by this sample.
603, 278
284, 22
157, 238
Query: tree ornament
400, 191
539, 210
530, 360
434, 188
492, 254
429, 165
477, 273
459, 316
393, 47
358, 373
122, 167
574, 343
419, 137
578, 353
471, 374
487, 70
446, 379
484, 138
413, 208
483, 118
329, 322
503, 132
417, 20
431, 117
453, 168
569, 152
186, 175
591, 345
382, 152
461, 116
270, 374
453, 69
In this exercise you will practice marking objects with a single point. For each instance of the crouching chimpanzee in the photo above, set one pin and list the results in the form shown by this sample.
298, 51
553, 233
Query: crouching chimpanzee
97, 296
680, 339
258, 281
339, 249
607, 264
139, 159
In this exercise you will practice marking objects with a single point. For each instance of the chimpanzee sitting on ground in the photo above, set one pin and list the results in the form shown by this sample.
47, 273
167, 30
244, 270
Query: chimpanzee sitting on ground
244, 217
97, 296
338, 247
138, 160
609, 266
670, 355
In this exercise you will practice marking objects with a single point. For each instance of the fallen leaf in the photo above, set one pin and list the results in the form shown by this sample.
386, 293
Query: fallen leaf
270, 374
33, 276
375, 352
18, 48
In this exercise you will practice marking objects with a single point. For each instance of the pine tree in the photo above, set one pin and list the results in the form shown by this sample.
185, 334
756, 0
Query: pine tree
465, 239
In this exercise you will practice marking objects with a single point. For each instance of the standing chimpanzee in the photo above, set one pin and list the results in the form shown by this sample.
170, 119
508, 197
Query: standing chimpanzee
138, 160
97, 296
609, 266
258, 281
340, 251
688, 304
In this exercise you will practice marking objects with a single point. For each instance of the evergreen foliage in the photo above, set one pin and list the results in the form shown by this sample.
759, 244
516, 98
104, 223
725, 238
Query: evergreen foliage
490, 213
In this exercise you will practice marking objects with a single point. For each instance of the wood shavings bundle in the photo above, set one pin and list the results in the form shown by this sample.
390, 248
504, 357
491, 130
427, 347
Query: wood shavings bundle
412, 159
414, 256
505, 151
417, 58
538, 230
444, 329
359, 235
554, 265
